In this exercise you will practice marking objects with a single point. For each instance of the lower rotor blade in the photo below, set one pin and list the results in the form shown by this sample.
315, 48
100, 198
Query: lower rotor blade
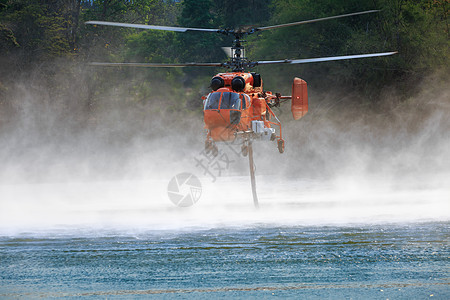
320, 59
152, 65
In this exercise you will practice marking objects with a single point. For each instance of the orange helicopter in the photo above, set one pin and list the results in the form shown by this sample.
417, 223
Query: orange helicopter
238, 108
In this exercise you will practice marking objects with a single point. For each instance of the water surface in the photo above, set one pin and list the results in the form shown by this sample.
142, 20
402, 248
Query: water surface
406, 261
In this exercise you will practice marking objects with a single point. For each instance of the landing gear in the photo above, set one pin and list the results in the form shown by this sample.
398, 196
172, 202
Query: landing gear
212, 148
208, 146
281, 145
215, 150
244, 150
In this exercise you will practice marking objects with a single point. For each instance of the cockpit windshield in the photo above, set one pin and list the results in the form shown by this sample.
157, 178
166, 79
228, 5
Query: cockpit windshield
212, 102
230, 101
245, 99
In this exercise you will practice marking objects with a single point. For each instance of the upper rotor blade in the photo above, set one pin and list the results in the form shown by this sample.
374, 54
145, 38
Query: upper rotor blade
154, 65
143, 26
314, 20
320, 59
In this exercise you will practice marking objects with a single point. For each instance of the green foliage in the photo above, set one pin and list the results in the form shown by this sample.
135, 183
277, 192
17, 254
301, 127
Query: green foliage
7, 39
151, 46
418, 30
196, 13
235, 13
39, 30
198, 46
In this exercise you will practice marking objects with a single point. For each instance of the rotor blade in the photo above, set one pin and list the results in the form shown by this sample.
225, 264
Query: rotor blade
314, 20
320, 59
154, 65
143, 26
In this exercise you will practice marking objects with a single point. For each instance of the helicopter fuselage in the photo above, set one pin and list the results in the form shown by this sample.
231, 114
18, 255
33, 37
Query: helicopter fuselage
236, 100
238, 107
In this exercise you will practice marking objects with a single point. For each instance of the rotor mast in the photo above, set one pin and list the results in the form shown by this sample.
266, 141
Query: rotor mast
238, 61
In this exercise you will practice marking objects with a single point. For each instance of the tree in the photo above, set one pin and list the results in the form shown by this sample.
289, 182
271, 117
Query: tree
235, 13
198, 46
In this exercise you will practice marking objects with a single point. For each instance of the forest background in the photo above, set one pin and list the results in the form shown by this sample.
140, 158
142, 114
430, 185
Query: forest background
42, 39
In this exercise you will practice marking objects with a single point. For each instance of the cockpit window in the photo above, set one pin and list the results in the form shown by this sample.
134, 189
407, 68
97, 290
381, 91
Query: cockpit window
230, 101
245, 103
212, 102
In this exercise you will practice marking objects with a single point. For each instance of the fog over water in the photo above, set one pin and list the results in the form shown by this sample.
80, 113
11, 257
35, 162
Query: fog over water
110, 169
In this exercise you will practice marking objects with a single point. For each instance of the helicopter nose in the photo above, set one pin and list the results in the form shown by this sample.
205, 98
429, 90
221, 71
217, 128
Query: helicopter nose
222, 134
235, 116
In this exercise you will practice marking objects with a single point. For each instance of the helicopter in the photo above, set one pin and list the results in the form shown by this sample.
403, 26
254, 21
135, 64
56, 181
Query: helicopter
238, 108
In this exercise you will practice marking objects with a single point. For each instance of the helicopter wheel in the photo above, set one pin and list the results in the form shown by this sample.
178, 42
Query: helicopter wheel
281, 145
244, 150
273, 137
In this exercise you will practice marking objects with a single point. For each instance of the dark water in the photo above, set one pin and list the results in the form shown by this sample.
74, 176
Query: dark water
390, 261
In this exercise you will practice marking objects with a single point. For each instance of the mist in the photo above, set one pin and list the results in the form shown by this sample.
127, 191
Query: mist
68, 165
